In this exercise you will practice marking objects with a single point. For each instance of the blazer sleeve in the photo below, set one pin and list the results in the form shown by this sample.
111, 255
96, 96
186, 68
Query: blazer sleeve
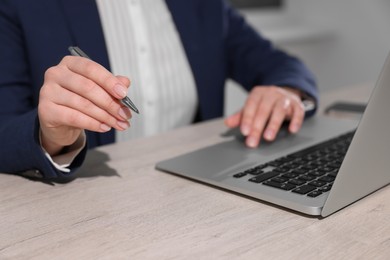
254, 60
20, 148
22, 153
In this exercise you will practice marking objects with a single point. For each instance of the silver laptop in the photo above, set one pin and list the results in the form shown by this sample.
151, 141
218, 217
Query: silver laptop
328, 165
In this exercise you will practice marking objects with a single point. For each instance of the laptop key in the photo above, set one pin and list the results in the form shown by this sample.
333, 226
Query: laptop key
316, 173
325, 188
263, 177
290, 175
333, 174
306, 178
304, 189
256, 172
239, 175
296, 182
314, 194
326, 179
283, 186
279, 179
317, 183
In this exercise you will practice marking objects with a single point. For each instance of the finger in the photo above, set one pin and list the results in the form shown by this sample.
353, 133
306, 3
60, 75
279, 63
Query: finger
127, 112
74, 118
96, 73
263, 114
125, 80
233, 120
249, 111
298, 115
277, 118
88, 108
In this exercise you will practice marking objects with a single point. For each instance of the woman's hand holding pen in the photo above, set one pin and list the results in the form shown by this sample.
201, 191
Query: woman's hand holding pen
266, 108
79, 94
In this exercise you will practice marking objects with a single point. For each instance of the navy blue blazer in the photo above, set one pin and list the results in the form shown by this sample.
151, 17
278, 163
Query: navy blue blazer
35, 35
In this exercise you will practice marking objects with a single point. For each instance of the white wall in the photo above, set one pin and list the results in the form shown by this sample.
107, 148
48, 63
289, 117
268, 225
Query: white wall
343, 42
361, 42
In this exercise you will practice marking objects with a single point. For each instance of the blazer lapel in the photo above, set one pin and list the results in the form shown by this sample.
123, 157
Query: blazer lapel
187, 25
83, 21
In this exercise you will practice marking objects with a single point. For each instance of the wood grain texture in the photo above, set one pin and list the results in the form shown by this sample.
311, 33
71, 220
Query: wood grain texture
120, 207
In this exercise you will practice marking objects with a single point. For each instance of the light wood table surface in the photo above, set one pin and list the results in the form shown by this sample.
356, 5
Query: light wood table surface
120, 207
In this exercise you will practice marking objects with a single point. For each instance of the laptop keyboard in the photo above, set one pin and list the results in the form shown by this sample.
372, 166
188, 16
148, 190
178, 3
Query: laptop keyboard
309, 172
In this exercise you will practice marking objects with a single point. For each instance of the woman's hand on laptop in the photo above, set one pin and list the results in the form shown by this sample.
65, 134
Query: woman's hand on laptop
264, 112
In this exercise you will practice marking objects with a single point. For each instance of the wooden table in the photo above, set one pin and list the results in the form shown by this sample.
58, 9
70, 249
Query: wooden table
120, 207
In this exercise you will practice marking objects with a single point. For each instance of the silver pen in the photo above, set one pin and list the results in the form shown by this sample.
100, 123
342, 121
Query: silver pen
76, 51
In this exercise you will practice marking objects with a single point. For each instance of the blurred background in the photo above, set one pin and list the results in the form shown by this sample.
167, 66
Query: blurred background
344, 43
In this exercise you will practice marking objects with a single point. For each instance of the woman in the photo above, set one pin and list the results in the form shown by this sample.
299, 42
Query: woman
176, 51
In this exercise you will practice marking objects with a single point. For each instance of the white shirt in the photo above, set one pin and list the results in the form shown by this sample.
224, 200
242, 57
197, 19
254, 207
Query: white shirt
143, 44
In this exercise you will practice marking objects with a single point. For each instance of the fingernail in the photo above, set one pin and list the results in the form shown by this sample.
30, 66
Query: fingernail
125, 113
294, 128
120, 90
105, 127
269, 134
251, 142
245, 130
123, 125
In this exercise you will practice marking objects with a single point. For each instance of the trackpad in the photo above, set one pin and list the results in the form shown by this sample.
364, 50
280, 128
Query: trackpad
216, 161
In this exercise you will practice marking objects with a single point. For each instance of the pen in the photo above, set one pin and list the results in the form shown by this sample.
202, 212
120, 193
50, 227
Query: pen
76, 51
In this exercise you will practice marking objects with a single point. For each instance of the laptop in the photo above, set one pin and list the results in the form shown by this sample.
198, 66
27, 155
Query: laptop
329, 164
